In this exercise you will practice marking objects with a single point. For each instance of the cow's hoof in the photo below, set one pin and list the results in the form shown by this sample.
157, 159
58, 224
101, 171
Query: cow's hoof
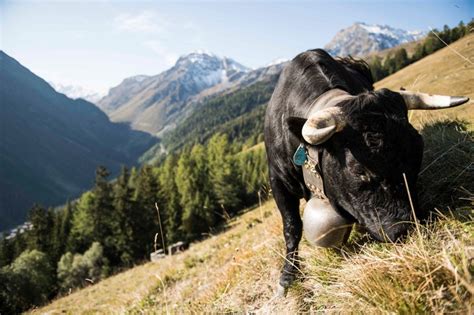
287, 279
280, 291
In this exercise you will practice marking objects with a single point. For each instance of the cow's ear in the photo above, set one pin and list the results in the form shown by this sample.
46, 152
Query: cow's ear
295, 125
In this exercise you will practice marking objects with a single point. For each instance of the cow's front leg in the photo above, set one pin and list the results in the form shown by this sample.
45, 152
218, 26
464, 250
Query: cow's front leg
288, 204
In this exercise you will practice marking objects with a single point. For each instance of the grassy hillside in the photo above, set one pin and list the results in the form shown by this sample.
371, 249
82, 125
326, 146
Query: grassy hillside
444, 72
237, 270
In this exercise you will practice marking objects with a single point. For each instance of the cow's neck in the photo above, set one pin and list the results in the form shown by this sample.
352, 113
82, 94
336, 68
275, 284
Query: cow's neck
328, 99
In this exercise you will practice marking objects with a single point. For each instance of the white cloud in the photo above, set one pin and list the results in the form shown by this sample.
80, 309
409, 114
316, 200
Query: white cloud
157, 32
144, 22
169, 58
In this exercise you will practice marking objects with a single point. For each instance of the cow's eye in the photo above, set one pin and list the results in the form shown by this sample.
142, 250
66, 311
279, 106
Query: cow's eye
373, 140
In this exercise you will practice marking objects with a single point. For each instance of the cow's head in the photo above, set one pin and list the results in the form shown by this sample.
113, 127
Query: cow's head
368, 145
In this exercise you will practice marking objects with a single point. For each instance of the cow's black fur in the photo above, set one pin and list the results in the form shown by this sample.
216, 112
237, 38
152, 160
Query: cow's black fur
362, 165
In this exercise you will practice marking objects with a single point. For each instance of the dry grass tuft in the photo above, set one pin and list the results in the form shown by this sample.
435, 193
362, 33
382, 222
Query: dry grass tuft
431, 272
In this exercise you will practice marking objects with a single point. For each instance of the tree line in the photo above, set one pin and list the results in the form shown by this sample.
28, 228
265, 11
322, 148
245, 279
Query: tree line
399, 59
113, 226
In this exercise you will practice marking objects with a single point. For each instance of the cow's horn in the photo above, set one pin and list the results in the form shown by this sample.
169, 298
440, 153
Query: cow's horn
321, 125
415, 100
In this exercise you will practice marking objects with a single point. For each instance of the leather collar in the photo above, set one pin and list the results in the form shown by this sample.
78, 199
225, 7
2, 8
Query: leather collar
312, 172
309, 158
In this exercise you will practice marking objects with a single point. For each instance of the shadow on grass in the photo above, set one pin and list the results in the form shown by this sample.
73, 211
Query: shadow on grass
446, 180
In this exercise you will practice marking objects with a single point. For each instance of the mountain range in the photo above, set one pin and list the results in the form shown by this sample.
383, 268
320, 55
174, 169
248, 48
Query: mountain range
157, 104
359, 39
362, 39
151, 103
51, 144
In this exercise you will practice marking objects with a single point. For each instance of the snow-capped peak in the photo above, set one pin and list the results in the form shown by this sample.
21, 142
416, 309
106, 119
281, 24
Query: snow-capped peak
402, 35
204, 52
361, 39
76, 91
197, 56
205, 57
139, 78
206, 69
277, 62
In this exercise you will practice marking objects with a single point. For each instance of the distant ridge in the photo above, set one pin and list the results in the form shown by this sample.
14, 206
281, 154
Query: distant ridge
361, 39
76, 91
51, 145
157, 104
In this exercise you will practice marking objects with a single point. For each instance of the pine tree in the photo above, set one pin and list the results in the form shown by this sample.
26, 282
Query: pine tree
420, 52
400, 59
469, 28
41, 235
20, 244
146, 195
124, 207
171, 195
223, 173
192, 180
462, 29
82, 224
376, 69
103, 215
432, 43
93, 220
64, 226
132, 181
446, 34
253, 174
389, 65
6, 251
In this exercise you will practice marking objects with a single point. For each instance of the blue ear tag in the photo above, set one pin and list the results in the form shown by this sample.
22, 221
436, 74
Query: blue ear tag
300, 155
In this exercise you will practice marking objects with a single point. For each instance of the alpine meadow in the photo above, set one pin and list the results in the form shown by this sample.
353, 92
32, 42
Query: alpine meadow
155, 197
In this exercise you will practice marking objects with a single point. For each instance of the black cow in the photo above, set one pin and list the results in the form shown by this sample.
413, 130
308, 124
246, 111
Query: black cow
365, 140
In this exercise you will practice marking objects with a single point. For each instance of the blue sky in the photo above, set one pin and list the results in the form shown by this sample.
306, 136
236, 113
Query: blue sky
96, 44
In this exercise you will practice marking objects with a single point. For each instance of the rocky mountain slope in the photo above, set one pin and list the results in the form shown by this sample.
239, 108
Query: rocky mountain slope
122, 93
51, 145
157, 104
361, 39
151, 103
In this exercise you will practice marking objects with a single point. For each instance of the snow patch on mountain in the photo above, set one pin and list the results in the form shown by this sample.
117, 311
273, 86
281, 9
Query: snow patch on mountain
76, 91
206, 69
139, 78
361, 39
277, 62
